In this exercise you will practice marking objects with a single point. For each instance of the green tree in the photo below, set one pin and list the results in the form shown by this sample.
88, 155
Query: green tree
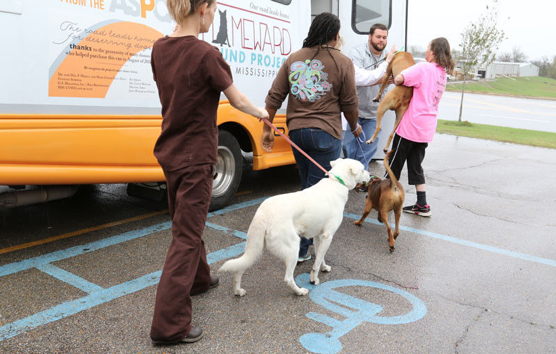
544, 66
552, 69
479, 41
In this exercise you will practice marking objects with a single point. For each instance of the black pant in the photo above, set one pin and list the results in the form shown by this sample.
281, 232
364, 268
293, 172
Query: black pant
413, 153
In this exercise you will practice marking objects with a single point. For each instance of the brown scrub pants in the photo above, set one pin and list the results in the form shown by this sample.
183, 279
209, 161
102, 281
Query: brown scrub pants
186, 268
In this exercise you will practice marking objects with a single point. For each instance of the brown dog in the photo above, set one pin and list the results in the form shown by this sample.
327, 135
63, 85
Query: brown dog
397, 99
383, 196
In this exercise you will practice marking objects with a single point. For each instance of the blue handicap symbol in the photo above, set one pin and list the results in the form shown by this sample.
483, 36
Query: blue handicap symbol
325, 295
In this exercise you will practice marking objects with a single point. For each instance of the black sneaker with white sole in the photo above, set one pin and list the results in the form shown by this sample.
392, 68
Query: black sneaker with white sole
418, 210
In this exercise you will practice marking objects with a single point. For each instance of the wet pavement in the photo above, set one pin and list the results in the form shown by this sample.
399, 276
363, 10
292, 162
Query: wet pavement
478, 276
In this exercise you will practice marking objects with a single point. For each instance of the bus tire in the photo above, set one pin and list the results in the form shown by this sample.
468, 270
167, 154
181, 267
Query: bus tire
228, 171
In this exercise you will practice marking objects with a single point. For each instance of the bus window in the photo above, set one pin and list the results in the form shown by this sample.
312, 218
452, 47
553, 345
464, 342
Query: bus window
368, 12
284, 2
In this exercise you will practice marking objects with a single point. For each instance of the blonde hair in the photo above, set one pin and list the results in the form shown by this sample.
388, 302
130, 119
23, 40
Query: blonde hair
180, 9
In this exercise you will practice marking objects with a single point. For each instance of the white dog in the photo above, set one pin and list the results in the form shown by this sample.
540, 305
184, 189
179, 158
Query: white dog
315, 212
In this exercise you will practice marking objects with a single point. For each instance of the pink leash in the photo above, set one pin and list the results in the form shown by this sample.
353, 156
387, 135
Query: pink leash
294, 145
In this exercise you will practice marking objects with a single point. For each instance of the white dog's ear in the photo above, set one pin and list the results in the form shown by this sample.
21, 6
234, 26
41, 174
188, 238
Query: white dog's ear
356, 168
333, 163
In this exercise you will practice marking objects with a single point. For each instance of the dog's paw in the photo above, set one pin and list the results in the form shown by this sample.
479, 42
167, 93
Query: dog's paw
316, 281
240, 292
326, 268
370, 141
358, 222
302, 292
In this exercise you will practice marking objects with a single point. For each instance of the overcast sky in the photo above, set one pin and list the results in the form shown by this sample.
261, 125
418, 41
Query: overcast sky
529, 25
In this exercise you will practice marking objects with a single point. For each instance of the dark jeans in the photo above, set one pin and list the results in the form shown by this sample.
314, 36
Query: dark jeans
323, 148
356, 148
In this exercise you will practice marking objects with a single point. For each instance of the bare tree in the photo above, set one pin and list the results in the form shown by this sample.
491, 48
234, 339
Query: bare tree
417, 51
518, 56
505, 57
479, 40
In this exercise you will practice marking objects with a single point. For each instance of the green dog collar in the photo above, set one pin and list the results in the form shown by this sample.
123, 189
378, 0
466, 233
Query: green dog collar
339, 180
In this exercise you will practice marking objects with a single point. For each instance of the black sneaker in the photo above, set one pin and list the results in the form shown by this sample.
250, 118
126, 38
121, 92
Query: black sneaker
418, 210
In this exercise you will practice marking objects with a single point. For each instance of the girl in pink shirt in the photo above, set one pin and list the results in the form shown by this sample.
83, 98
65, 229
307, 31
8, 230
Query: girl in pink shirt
418, 124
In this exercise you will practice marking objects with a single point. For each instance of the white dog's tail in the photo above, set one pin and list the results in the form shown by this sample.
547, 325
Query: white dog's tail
253, 248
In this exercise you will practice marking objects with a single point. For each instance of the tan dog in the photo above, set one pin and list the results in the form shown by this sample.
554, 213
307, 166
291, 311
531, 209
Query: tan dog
383, 196
397, 99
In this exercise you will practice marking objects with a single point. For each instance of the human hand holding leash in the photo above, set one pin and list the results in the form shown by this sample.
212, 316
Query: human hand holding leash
357, 131
267, 138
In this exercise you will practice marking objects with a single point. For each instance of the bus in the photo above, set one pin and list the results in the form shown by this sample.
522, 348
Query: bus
78, 104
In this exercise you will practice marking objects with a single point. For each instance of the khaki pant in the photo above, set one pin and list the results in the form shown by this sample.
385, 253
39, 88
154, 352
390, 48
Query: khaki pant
186, 268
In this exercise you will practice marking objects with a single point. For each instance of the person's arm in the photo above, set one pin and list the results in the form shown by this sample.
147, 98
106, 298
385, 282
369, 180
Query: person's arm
369, 77
276, 96
348, 100
239, 101
352, 119
365, 77
267, 139
399, 80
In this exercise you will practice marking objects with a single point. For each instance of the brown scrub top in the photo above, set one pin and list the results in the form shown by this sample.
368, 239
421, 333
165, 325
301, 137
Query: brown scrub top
190, 75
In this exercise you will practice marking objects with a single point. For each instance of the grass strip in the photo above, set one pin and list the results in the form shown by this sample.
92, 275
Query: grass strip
492, 132
535, 86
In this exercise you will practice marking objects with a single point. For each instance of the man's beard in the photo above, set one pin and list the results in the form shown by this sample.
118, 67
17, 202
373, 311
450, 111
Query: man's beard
377, 46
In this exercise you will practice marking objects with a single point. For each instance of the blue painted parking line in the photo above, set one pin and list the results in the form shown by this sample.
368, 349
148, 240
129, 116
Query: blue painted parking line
98, 295
70, 278
522, 256
355, 311
79, 250
227, 230
237, 206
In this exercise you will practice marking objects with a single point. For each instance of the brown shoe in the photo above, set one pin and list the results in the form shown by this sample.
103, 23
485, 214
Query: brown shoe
195, 334
214, 281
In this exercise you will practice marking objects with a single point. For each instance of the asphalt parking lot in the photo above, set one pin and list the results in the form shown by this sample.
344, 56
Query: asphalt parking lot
478, 276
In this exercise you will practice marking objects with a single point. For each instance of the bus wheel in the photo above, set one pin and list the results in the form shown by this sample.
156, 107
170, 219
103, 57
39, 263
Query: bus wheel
228, 170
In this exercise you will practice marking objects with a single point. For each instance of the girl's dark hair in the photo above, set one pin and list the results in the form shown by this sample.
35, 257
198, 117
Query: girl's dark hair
442, 53
323, 29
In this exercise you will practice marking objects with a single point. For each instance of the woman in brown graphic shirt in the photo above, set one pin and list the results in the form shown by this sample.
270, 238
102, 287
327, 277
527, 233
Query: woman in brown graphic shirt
319, 82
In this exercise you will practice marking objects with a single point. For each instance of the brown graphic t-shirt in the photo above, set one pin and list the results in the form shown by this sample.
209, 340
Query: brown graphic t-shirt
319, 87
189, 74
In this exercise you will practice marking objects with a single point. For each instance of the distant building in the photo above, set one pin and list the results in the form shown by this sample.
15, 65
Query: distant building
508, 69
497, 68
